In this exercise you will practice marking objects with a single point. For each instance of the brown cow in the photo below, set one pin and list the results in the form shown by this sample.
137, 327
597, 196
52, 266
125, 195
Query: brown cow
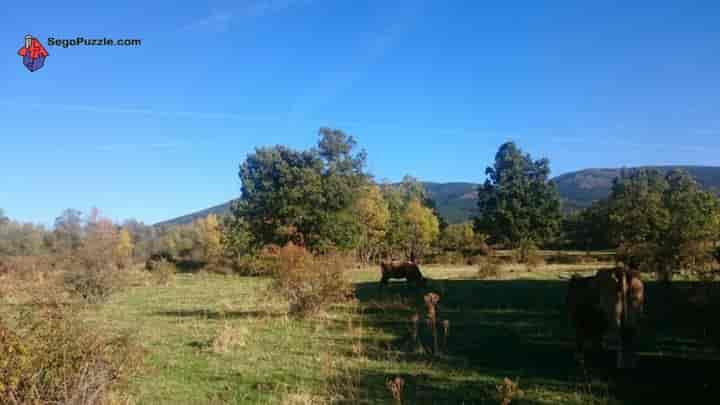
407, 270
609, 301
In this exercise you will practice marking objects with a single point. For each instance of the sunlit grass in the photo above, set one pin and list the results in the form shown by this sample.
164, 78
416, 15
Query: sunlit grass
221, 339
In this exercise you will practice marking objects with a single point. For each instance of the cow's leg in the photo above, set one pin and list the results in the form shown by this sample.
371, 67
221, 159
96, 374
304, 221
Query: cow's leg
626, 351
383, 282
580, 347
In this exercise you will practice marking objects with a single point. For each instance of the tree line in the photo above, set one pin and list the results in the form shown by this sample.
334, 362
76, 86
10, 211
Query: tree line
325, 200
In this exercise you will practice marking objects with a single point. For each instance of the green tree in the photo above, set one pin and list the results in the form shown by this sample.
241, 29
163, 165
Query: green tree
400, 238
235, 237
517, 202
663, 223
458, 237
590, 228
304, 197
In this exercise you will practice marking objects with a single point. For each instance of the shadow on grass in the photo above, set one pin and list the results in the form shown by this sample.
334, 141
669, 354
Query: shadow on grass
189, 266
210, 314
519, 329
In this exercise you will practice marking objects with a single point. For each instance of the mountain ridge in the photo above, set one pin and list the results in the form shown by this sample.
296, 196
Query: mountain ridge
456, 201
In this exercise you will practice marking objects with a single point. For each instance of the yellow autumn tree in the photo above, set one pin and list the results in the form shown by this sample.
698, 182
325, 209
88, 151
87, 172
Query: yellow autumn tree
211, 237
124, 248
422, 228
373, 216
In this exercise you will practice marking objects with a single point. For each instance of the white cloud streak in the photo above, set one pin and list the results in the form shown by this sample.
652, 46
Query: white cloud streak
221, 20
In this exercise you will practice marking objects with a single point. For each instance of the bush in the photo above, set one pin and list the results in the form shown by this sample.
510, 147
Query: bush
527, 253
449, 258
157, 258
475, 260
310, 283
485, 249
93, 286
53, 357
163, 272
488, 268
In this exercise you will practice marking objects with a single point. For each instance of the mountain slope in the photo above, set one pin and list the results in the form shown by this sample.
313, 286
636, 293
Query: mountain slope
456, 201
583, 187
219, 210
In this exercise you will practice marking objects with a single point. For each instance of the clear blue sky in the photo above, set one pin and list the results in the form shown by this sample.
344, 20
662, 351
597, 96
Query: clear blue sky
428, 88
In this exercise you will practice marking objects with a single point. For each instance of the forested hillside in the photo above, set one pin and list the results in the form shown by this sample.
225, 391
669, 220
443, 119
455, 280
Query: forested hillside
457, 201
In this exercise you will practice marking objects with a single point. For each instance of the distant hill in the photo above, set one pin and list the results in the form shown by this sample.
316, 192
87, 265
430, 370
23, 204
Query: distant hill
581, 188
456, 202
219, 210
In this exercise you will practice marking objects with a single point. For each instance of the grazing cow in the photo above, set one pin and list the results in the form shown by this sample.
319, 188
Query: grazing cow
407, 270
608, 301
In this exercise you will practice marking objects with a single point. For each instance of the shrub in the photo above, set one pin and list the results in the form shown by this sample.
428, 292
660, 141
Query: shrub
157, 258
527, 253
488, 268
310, 283
564, 258
93, 286
228, 338
476, 260
534, 260
508, 390
260, 263
53, 357
485, 249
163, 272
449, 258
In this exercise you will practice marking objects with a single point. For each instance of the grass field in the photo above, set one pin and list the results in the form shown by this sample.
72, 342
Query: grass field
219, 339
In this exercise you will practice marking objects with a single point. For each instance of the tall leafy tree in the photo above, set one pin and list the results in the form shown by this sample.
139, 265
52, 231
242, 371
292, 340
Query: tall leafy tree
637, 211
413, 224
124, 248
590, 228
458, 237
422, 228
69, 230
306, 197
373, 215
663, 223
211, 238
517, 202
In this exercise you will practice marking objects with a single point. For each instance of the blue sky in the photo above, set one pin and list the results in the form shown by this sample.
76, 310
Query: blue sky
428, 88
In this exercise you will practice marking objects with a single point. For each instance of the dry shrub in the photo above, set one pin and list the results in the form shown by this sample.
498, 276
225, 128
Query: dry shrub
534, 260
476, 260
310, 283
40, 287
263, 263
508, 390
229, 338
451, 258
485, 249
26, 264
396, 385
528, 254
91, 285
564, 258
53, 357
162, 271
488, 268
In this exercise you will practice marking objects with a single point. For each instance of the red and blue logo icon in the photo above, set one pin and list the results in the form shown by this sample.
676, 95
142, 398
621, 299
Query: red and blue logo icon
33, 53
